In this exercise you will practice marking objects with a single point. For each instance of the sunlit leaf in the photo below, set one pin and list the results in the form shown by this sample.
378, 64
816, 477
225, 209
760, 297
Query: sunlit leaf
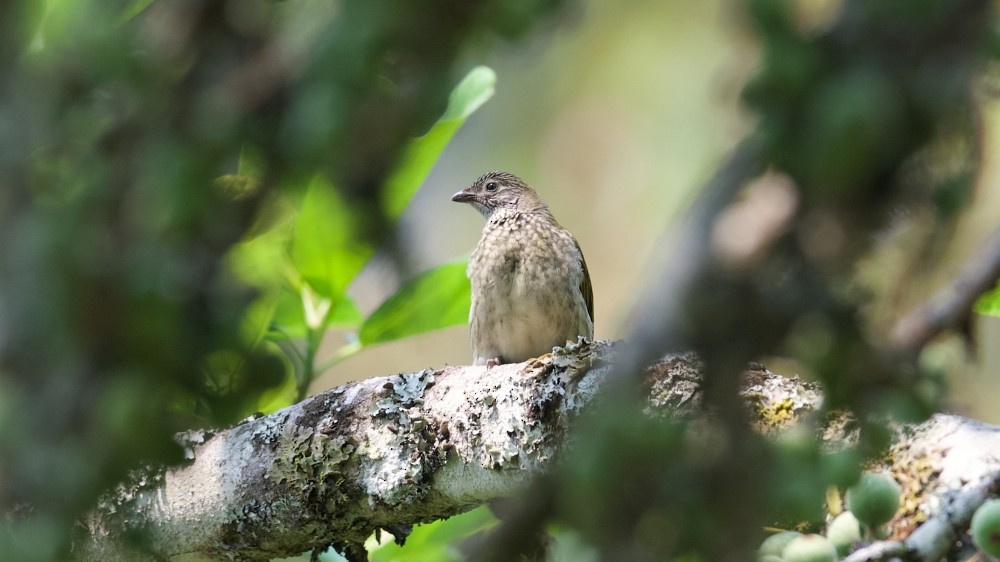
989, 303
283, 395
278, 311
134, 8
435, 299
471, 93
256, 262
236, 379
288, 320
326, 249
315, 308
251, 163
257, 317
433, 541
421, 153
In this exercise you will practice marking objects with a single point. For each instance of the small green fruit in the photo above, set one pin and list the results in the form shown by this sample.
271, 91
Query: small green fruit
986, 528
810, 548
842, 468
776, 543
874, 499
844, 532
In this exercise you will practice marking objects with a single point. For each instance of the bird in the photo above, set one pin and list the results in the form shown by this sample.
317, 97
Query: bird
531, 289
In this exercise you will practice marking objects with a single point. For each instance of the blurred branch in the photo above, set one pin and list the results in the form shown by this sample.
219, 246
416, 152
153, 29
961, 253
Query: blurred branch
842, 113
952, 305
658, 322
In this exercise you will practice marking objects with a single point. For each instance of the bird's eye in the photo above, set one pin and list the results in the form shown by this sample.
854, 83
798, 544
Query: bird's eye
491, 186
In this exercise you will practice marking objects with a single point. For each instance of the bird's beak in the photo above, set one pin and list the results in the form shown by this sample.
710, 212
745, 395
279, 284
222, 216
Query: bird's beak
464, 196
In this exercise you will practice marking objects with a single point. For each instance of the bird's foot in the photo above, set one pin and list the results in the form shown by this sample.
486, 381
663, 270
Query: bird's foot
490, 363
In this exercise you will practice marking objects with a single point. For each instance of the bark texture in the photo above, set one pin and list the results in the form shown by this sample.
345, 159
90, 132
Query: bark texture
388, 452
384, 452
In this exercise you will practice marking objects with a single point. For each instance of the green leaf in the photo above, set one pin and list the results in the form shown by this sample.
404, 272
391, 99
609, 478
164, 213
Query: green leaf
262, 261
989, 303
471, 93
433, 541
284, 394
422, 152
257, 262
315, 308
325, 250
435, 299
289, 322
251, 163
134, 9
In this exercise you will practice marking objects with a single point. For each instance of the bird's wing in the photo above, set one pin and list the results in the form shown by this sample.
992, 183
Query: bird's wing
585, 287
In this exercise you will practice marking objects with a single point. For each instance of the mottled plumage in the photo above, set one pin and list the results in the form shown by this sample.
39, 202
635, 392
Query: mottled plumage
530, 285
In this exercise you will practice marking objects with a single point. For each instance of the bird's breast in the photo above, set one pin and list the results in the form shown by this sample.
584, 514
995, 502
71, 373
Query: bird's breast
525, 290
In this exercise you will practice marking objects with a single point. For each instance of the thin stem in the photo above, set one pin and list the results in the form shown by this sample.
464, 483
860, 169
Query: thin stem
343, 353
313, 340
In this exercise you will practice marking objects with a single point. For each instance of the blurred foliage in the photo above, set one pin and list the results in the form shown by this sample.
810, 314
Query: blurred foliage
435, 541
873, 114
989, 303
439, 297
304, 263
188, 189
866, 111
854, 113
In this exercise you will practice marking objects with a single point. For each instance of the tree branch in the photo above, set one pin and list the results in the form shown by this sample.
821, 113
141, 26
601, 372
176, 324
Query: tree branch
380, 453
952, 304
372, 454
948, 467
388, 452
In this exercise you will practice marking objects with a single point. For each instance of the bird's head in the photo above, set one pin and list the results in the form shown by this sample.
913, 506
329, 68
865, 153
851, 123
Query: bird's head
499, 190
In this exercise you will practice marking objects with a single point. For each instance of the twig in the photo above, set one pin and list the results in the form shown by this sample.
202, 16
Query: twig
659, 318
953, 303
